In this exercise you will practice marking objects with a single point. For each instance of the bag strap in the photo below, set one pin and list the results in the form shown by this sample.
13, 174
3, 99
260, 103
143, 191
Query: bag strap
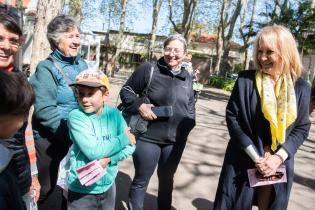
59, 68
145, 91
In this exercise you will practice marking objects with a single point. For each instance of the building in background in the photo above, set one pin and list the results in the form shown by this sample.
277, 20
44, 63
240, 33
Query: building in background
134, 46
98, 47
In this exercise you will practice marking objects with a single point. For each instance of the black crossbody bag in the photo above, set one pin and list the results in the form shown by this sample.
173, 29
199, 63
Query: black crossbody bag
137, 124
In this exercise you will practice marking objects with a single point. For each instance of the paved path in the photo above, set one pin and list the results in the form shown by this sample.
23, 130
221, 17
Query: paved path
197, 176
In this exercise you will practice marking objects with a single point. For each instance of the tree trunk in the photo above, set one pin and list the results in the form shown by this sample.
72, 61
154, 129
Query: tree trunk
156, 10
224, 66
120, 36
246, 63
220, 36
187, 18
18, 61
106, 41
248, 58
246, 37
76, 9
46, 11
275, 10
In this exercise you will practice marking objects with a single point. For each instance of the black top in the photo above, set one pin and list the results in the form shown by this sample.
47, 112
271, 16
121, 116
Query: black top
20, 161
166, 89
10, 195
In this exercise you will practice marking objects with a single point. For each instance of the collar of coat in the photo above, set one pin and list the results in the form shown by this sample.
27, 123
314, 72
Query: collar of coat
61, 58
167, 70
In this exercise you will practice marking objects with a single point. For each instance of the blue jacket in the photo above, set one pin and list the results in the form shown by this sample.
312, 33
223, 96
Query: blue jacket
95, 137
54, 98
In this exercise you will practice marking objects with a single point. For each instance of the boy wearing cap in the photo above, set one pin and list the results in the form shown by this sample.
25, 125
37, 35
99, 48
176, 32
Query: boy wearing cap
98, 132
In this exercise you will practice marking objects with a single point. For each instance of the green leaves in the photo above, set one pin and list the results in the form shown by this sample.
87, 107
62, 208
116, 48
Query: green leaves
221, 82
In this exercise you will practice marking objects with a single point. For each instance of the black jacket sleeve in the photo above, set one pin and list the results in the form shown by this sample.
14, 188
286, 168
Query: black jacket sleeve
302, 123
21, 159
130, 93
10, 196
236, 110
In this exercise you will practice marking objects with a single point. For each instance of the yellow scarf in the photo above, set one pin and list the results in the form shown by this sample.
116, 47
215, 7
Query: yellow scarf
278, 104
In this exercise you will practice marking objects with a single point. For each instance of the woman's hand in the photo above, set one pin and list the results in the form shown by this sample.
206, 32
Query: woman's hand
104, 161
131, 137
146, 112
268, 165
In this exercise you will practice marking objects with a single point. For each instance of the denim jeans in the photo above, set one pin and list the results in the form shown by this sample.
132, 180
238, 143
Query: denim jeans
103, 201
146, 157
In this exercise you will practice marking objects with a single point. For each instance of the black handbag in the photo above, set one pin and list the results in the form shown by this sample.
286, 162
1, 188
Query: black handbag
137, 124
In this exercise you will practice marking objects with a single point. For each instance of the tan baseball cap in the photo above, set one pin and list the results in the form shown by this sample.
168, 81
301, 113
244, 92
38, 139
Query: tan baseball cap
91, 78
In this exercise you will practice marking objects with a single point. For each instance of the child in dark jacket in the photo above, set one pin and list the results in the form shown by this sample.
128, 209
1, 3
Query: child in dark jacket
15, 104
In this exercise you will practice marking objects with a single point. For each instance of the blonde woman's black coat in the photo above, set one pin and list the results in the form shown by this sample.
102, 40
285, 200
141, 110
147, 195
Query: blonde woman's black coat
247, 126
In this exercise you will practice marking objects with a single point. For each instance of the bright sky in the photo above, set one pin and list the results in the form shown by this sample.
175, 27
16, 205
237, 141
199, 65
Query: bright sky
136, 21
139, 18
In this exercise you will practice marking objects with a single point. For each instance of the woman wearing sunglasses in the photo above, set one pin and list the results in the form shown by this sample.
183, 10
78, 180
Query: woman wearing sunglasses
267, 119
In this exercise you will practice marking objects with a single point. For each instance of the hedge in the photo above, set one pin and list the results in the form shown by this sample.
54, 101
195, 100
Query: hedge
221, 82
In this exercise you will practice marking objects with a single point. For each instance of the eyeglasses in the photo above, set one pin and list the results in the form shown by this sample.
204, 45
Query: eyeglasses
14, 42
176, 51
275, 177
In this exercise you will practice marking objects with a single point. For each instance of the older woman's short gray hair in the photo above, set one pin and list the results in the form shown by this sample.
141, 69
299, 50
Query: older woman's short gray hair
174, 37
58, 26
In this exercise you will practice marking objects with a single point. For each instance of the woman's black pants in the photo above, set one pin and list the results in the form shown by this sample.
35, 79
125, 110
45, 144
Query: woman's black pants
146, 157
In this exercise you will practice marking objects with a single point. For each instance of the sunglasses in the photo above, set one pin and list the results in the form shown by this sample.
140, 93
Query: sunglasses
274, 177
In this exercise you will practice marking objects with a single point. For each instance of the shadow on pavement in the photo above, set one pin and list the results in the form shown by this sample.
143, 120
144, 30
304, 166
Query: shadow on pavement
123, 182
213, 95
307, 182
202, 204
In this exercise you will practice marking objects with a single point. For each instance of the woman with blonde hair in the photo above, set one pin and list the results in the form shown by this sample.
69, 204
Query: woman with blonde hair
267, 119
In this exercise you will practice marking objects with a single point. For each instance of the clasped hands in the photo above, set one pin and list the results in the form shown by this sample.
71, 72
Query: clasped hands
268, 164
